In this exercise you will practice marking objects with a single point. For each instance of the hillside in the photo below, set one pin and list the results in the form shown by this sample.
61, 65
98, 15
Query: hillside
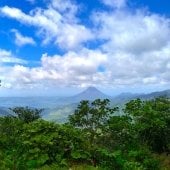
125, 97
165, 93
57, 109
91, 93
5, 112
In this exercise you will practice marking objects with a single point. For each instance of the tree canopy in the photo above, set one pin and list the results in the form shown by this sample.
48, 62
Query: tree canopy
94, 138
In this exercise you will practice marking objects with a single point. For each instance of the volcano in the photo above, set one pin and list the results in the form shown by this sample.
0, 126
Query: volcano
91, 93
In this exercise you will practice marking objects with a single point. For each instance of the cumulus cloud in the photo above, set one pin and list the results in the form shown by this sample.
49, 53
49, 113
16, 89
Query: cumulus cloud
69, 70
82, 69
21, 40
148, 68
137, 44
134, 47
7, 60
65, 6
58, 25
132, 32
115, 3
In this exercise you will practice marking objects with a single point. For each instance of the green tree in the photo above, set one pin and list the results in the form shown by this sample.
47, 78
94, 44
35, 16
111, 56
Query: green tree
49, 143
11, 147
152, 121
92, 116
27, 114
120, 133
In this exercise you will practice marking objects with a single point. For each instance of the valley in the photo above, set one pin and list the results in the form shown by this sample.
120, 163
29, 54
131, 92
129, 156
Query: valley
58, 109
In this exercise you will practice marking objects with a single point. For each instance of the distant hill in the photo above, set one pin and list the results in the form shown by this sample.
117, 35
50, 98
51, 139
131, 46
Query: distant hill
6, 112
90, 93
59, 114
165, 93
58, 109
125, 97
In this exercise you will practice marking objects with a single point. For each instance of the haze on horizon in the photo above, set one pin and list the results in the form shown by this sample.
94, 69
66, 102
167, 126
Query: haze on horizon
61, 47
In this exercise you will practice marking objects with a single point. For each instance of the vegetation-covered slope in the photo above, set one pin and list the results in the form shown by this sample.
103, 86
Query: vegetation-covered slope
93, 138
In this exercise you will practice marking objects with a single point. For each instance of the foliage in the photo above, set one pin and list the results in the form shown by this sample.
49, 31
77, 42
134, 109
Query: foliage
93, 139
27, 114
120, 133
92, 117
152, 122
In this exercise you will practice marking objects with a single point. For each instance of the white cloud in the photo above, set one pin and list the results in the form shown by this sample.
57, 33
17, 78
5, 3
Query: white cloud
82, 69
72, 69
21, 40
132, 32
115, 3
137, 44
147, 68
8, 57
134, 50
54, 24
65, 6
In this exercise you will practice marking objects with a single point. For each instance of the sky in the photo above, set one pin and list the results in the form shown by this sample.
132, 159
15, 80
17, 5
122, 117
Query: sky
59, 47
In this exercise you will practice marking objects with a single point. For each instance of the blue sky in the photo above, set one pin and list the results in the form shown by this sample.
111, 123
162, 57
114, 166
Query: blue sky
56, 47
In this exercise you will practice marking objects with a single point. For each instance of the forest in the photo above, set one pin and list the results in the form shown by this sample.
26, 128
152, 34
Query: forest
93, 138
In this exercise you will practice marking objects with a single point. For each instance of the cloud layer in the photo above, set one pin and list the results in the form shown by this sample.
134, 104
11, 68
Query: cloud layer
134, 47
56, 24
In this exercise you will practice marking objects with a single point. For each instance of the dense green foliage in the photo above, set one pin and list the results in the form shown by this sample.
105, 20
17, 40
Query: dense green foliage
93, 138
27, 114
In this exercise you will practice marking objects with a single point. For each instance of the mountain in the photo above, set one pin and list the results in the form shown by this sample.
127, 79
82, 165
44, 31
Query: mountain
91, 93
125, 97
58, 109
6, 112
60, 114
165, 93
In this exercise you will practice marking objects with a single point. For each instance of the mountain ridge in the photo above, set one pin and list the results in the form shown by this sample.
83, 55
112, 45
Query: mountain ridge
91, 93
58, 108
